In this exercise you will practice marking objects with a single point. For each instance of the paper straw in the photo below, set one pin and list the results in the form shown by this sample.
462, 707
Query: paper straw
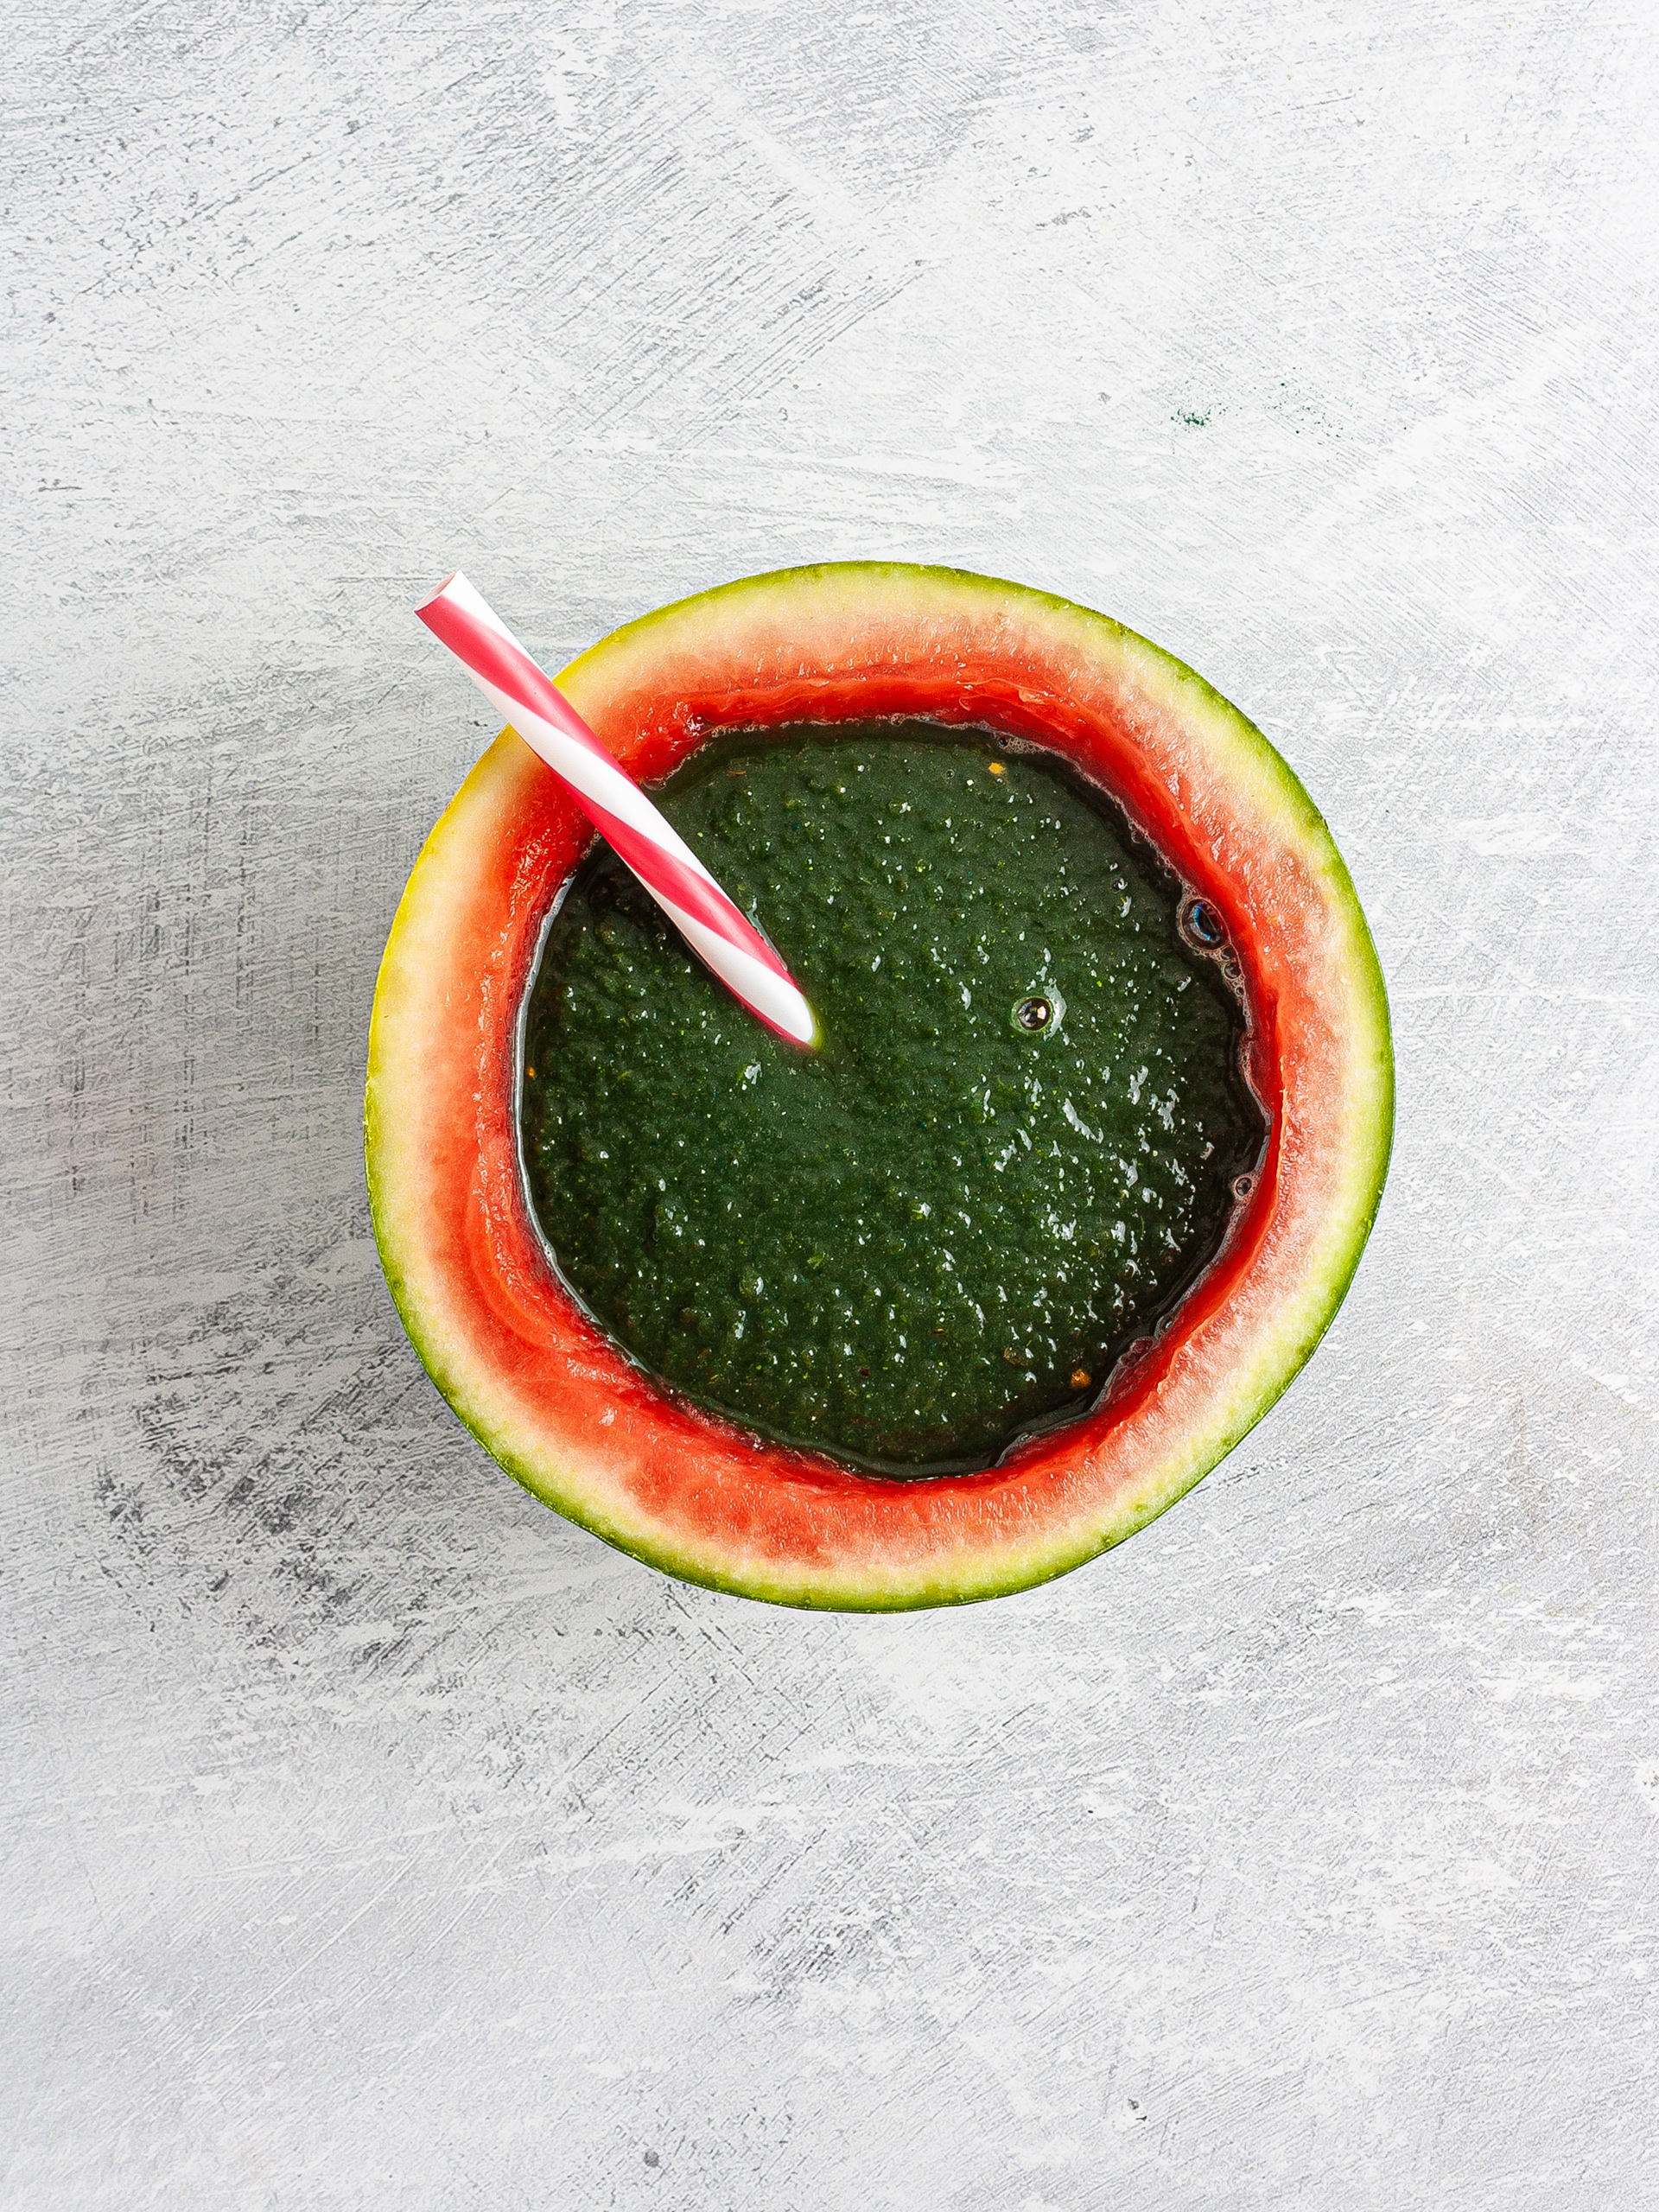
619, 810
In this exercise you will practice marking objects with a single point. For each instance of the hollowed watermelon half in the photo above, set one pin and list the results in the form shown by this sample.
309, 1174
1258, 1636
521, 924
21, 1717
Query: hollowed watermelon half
559, 1405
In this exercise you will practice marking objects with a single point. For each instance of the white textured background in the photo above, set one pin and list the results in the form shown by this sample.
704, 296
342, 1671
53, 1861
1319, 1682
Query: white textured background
373, 1837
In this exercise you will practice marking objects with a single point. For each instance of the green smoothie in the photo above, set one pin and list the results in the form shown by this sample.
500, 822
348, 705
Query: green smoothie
1013, 1153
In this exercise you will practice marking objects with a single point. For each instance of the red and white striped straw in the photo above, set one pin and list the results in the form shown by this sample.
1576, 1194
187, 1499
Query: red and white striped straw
620, 810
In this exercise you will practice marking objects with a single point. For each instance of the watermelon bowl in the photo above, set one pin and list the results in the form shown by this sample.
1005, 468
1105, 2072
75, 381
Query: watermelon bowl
560, 1405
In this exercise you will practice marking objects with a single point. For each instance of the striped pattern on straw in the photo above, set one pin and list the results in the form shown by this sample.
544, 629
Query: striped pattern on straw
720, 935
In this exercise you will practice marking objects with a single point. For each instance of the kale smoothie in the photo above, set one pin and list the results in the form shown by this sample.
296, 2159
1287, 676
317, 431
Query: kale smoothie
1013, 1153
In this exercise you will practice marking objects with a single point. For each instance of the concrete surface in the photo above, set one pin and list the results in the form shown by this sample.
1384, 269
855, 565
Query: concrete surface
373, 1837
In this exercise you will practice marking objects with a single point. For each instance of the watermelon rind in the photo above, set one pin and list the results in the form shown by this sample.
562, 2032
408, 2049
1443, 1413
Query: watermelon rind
560, 1407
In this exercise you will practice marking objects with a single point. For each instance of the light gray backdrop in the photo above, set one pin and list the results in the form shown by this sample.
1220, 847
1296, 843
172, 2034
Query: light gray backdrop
376, 1839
